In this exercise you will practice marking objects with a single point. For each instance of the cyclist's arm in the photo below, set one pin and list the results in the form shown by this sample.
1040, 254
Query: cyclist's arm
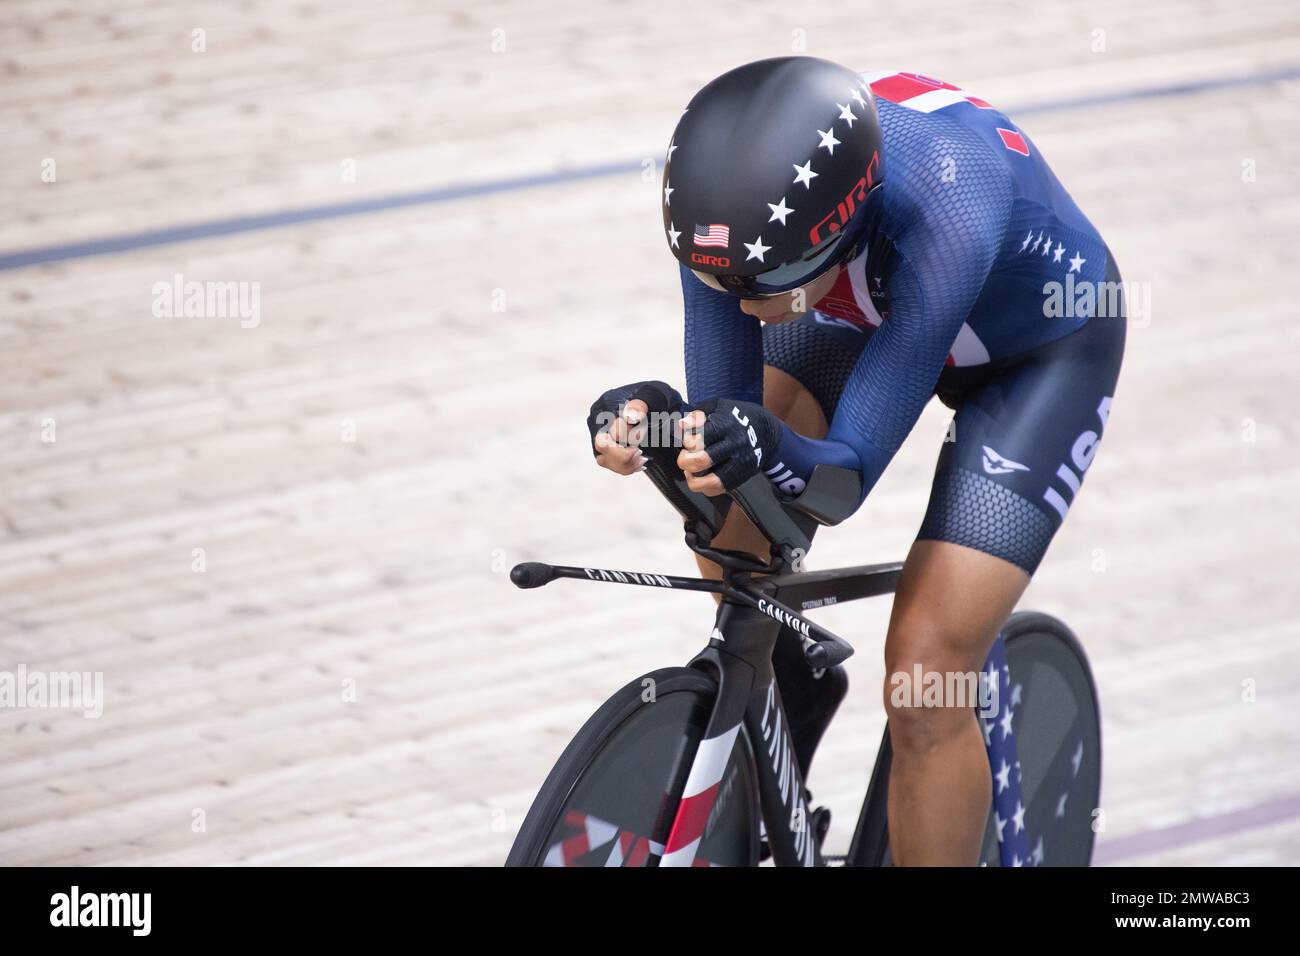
945, 257
724, 346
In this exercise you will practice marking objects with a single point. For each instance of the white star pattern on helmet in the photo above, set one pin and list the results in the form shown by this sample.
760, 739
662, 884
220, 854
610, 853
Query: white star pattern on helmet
1025, 245
669, 157
668, 191
779, 211
1048, 248
1076, 264
756, 249
804, 174
673, 233
1056, 256
828, 139
858, 96
846, 114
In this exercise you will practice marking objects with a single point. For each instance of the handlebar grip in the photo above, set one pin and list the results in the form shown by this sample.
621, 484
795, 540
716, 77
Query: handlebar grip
531, 574
825, 654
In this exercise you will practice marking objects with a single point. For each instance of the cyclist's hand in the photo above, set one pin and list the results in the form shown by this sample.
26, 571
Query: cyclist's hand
725, 443
618, 423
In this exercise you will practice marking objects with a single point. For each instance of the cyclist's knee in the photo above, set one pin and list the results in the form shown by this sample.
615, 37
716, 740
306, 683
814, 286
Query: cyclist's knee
931, 682
918, 728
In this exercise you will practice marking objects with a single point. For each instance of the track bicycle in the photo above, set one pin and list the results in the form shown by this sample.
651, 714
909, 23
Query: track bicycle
697, 765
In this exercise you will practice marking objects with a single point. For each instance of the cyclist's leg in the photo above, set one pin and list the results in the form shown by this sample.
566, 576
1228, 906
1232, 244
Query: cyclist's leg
1001, 490
951, 600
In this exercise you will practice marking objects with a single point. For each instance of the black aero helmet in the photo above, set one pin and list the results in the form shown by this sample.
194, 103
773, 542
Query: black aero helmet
768, 174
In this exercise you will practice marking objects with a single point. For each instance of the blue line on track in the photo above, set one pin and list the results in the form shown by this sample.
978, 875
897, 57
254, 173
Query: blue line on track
288, 217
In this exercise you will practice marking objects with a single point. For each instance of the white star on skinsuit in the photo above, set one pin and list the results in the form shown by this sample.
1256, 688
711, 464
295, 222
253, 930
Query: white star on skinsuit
1034, 247
1077, 758
673, 233
846, 114
1015, 696
779, 210
756, 249
1038, 852
1006, 724
804, 174
668, 191
1018, 818
1056, 256
671, 147
987, 727
1025, 245
1076, 263
858, 96
828, 139
1060, 806
1004, 776
1015, 860
999, 823
1048, 248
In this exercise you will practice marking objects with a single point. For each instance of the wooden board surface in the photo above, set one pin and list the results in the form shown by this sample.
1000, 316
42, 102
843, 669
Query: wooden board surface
461, 343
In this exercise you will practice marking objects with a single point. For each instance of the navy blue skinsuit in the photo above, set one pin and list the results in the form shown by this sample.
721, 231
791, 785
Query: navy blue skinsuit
982, 283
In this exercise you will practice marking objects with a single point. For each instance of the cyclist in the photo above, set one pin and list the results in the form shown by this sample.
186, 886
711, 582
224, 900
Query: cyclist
850, 245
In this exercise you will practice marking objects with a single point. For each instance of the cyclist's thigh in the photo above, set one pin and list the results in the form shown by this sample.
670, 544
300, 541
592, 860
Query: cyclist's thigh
1023, 443
816, 352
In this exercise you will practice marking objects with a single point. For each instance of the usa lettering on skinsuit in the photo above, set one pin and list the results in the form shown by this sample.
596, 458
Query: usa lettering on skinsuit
102, 909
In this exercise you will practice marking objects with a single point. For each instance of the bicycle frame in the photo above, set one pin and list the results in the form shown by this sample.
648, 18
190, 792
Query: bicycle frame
739, 657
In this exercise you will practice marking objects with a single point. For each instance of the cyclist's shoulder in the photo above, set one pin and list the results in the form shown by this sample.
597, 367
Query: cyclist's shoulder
923, 118
942, 171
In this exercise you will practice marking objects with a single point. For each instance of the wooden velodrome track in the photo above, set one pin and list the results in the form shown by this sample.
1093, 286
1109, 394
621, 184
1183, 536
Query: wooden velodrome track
461, 337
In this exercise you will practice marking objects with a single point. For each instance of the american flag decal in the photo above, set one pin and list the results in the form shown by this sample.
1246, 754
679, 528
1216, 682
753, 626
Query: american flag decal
713, 235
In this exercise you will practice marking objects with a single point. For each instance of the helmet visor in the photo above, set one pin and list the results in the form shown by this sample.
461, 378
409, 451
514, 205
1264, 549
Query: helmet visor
831, 251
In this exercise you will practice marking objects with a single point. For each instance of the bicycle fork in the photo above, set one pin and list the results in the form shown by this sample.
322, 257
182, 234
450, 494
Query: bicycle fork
740, 656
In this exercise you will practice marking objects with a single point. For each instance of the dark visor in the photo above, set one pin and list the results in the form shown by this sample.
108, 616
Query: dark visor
831, 251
